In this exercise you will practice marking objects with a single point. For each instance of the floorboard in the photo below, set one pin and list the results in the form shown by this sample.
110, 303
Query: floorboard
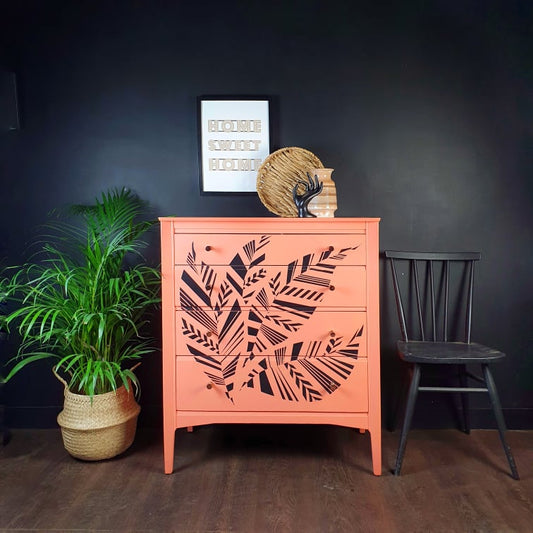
254, 479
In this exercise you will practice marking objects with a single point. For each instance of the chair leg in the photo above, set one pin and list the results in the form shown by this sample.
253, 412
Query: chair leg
465, 403
409, 409
401, 396
496, 406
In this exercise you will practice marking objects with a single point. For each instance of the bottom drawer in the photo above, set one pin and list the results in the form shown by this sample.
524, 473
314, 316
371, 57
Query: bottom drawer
319, 384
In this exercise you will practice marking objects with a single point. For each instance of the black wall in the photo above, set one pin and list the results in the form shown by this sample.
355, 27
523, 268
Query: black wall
424, 109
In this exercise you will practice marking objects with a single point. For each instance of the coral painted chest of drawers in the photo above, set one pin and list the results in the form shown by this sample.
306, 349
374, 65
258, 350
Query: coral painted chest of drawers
270, 320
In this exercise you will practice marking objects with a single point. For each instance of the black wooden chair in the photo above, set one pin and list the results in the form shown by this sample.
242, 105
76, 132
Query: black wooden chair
434, 295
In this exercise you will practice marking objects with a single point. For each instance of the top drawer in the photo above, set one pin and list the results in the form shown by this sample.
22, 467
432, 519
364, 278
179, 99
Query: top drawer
245, 250
287, 269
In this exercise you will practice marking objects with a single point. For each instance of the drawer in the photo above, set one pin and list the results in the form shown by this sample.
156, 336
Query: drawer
322, 384
324, 333
289, 286
274, 249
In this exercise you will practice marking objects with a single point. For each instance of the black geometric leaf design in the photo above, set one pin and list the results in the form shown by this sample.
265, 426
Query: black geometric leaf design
221, 371
286, 323
223, 296
275, 284
306, 364
253, 314
199, 336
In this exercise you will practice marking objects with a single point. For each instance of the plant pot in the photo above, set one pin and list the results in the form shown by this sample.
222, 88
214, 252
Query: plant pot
101, 427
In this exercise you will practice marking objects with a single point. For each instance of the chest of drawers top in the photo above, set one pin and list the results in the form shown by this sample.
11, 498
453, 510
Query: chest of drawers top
276, 224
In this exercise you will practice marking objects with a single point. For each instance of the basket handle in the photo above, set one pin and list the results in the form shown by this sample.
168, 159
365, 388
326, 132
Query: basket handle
54, 370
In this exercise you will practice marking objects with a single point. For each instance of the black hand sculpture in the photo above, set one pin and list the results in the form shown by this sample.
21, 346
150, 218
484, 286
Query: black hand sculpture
312, 189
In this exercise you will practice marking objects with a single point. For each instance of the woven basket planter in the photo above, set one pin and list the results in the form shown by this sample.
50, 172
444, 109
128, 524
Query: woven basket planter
101, 428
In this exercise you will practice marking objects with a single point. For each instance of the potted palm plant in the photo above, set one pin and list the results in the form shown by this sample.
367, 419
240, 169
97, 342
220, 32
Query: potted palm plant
83, 303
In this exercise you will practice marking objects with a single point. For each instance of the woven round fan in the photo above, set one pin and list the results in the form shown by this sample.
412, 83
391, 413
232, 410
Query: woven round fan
278, 175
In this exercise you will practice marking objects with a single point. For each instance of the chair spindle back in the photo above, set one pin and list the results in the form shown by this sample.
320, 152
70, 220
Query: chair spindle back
433, 291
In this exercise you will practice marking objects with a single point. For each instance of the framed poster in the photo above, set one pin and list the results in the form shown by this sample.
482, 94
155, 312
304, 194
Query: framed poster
234, 142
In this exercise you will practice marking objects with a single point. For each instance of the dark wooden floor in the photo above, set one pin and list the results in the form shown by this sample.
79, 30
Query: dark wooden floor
256, 479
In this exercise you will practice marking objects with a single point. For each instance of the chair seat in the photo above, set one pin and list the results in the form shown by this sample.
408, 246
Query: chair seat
442, 353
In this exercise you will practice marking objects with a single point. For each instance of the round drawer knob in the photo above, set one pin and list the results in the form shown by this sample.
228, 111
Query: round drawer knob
332, 333
209, 386
208, 248
209, 333
330, 248
332, 287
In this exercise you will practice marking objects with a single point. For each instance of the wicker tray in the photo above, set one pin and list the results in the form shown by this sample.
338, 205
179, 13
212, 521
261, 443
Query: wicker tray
278, 175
